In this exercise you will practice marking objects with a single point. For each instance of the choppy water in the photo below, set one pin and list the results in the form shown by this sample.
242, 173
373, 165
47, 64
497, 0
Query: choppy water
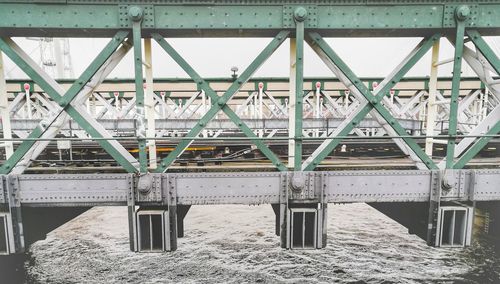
237, 244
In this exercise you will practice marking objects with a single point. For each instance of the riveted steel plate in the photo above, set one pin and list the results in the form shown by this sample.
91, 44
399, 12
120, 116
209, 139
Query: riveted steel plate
251, 188
380, 17
488, 15
59, 16
461, 186
148, 20
377, 186
155, 193
449, 15
486, 185
52, 189
218, 17
77, 18
310, 190
311, 20
230, 188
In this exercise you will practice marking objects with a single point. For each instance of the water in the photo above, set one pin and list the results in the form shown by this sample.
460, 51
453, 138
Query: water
237, 244
12, 269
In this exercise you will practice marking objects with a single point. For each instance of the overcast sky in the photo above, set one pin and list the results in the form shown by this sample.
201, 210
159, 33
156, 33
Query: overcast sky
214, 57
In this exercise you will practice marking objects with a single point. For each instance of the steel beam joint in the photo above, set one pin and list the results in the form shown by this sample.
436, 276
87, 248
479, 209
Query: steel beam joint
136, 13
462, 12
300, 14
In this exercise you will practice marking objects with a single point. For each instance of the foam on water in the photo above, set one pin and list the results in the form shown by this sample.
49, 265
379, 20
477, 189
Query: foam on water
237, 244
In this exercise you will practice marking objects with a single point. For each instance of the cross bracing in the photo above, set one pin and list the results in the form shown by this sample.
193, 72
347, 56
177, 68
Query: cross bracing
178, 107
285, 132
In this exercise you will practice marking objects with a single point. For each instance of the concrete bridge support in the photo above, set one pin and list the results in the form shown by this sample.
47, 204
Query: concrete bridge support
182, 211
301, 225
154, 228
441, 224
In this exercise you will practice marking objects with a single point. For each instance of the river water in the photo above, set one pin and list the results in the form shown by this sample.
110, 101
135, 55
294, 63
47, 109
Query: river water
236, 244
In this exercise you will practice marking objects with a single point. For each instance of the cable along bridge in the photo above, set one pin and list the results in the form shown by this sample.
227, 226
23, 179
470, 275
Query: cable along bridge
423, 151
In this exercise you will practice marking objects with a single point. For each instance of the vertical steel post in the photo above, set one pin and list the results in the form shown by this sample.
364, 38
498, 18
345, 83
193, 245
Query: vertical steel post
300, 15
484, 106
203, 102
4, 112
291, 104
149, 102
317, 106
261, 96
59, 58
461, 14
28, 100
317, 101
93, 105
260, 132
136, 14
431, 102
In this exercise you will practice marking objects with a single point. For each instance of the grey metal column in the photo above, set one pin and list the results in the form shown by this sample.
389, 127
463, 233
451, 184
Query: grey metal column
14, 203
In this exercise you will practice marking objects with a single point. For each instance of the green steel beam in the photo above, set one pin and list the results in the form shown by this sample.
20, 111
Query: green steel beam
255, 80
373, 101
64, 101
492, 58
461, 13
483, 47
300, 15
219, 103
136, 14
478, 146
81, 18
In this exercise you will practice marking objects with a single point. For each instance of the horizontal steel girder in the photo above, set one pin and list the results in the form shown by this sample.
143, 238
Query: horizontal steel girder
51, 18
128, 125
251, 187
271, 84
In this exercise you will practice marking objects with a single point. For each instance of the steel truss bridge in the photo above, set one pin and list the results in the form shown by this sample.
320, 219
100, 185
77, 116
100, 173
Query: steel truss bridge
421, 150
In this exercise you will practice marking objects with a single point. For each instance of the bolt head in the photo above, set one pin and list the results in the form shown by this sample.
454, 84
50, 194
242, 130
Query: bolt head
300, 14
462, 12
135, 13
221, 102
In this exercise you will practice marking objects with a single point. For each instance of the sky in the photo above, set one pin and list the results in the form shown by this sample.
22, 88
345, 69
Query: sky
214, 57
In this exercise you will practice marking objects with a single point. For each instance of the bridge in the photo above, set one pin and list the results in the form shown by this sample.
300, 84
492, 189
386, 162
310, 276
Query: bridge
423, 151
